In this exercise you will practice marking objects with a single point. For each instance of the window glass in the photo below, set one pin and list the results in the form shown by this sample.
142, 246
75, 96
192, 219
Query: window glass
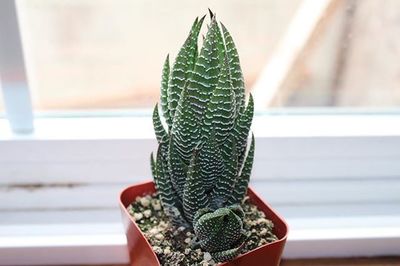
104, 54
348, 60
109, 54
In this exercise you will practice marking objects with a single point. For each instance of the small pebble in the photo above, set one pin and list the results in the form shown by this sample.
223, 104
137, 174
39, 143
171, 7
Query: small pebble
187, 240
263, 232
163, 224
207, 256
145, 202
153, 231
167, 251
147, 213
156, 205
159, 236
157, 249
187, 251
181, 228
261, 221
137, 216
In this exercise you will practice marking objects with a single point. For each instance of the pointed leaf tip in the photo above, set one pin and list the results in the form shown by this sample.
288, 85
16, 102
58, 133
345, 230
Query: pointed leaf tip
223, 26
211, 13
251, 99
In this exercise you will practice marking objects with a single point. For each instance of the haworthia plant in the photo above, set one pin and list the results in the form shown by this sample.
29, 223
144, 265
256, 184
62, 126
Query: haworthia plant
203, 165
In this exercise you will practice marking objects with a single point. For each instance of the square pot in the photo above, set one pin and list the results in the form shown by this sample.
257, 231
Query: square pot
141, 252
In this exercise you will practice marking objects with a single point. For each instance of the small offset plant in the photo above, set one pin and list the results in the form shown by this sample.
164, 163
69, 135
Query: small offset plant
203, 163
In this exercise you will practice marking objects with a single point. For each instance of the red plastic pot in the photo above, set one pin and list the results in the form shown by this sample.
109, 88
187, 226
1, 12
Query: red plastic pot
141, 252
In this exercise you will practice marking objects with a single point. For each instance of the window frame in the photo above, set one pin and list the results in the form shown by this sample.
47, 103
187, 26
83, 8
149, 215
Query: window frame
13, 75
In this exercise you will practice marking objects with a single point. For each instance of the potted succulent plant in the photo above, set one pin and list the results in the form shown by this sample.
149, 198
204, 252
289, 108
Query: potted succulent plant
199, 210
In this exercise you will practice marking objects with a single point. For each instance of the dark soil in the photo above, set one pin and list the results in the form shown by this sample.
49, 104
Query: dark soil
172, 245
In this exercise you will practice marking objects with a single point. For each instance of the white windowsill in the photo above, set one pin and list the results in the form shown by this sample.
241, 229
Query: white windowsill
124, 127
307, 166
80, 244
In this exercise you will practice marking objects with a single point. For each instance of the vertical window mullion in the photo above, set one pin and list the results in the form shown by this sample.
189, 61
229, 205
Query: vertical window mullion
14, 82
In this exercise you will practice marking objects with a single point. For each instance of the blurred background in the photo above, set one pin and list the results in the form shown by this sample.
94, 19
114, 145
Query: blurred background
86, 55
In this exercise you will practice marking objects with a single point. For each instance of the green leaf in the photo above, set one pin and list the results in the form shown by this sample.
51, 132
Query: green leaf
242, 183
211, 14
242, 129
182, 67
235, 69
205, 75
153, 166
194, 197
177, 168
226, 181
222, 54
162, 138
220, 114
210, 163
161, 133
219, 230
164, 92
185, 131
163, 182
227, 255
